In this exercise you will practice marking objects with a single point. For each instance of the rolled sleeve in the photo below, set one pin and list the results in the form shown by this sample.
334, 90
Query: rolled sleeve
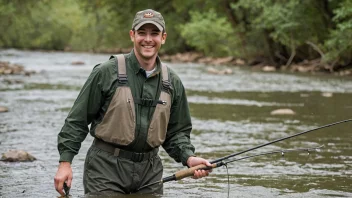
185, 155
67, 157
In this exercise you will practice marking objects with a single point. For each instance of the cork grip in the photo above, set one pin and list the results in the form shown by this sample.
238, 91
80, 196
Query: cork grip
190, 172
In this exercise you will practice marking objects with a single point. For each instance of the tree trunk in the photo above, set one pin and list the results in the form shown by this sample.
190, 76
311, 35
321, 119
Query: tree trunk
326, 13
293, 53
270, 47
235, 23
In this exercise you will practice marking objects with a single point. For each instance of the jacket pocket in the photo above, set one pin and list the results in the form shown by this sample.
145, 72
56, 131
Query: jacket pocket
116, 127
158, 125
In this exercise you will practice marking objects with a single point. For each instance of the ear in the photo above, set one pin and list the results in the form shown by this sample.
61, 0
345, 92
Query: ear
132, 35
163, 38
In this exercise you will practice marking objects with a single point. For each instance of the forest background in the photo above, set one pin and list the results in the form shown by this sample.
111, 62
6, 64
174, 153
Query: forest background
275, 32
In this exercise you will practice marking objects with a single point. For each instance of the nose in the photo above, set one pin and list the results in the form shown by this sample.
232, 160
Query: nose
148, 37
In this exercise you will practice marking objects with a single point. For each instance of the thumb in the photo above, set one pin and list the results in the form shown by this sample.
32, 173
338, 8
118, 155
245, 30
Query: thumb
207, 163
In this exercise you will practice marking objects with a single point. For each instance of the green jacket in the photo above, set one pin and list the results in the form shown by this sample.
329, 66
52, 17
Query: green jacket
94, 99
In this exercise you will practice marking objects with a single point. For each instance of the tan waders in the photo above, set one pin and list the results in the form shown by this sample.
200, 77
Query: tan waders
109, 168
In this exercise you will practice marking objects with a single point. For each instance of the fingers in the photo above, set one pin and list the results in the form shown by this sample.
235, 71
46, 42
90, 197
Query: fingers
59, 186
59, 182
207, 163
194, 161
200, 173
69, 181
64, 173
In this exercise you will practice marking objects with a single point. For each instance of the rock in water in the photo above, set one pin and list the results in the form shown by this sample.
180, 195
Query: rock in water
3, 109
283, 112
17, 156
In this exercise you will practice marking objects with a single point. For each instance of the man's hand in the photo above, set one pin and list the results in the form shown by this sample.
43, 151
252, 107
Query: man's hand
64, 173
194, 161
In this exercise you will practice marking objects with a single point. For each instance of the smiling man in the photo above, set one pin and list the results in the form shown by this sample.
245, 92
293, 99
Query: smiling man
134, 104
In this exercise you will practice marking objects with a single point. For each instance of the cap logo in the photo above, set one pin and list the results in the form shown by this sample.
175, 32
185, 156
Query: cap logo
148, 15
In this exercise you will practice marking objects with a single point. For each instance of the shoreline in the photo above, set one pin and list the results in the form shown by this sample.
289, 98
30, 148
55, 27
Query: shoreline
306, 66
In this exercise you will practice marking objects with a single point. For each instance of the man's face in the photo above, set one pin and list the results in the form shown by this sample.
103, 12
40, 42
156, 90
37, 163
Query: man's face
147, 41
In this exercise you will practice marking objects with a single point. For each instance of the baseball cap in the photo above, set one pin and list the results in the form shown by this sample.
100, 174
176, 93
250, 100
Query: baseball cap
148, 16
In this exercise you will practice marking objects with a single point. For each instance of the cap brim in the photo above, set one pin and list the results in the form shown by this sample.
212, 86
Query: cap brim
152, 22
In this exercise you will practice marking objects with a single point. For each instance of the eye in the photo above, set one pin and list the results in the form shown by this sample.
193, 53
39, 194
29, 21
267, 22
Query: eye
141, 33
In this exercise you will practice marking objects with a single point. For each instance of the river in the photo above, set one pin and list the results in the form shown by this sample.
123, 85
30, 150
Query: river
230, 113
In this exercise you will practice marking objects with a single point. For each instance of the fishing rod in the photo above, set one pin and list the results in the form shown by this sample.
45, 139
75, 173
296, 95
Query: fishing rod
279, 140
260, 154
189, 172
219, 162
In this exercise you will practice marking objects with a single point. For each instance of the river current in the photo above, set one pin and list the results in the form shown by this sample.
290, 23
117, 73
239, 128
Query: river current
230, 113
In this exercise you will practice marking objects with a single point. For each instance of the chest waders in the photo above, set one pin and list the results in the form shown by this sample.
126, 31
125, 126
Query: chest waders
110, 168
119, 123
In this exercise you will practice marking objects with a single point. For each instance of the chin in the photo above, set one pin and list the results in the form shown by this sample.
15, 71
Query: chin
148, 55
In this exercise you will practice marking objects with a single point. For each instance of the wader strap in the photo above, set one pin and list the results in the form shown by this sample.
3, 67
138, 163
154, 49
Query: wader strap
133, 156
122, 77
165, 78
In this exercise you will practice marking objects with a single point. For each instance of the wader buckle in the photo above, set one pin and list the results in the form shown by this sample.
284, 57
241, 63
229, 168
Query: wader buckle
163, 102
166, 85
122, 78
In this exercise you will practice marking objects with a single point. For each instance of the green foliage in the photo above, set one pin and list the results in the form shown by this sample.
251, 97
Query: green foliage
274, 30
93, 30
209, 33
33, 25
123, 12
339, 44
291, 23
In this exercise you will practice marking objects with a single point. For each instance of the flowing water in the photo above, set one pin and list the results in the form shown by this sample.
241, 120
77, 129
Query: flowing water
230, 113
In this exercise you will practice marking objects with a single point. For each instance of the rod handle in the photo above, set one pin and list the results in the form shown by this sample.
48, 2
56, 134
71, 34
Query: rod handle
190, 171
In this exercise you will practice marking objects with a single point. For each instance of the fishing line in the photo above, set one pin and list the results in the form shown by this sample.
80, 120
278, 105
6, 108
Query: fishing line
283, 151
219, 162
279, 140
308, 150
228, 181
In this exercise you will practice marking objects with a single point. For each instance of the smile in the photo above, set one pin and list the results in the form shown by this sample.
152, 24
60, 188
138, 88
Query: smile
147, 46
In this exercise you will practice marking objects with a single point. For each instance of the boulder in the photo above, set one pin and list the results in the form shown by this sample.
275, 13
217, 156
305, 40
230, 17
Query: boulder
283, 112
13, 69
188, 57
268, 68
3, 109
77, 63
17, 156
239, 62
212, 70
222, 61
327, 94
205, 60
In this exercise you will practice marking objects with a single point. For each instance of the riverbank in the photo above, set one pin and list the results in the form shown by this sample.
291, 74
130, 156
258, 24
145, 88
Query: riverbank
306, 66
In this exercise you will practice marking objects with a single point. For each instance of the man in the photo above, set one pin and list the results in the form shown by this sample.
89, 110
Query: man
134, 104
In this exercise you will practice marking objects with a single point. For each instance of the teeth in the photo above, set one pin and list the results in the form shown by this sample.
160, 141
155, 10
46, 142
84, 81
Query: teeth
148, 46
